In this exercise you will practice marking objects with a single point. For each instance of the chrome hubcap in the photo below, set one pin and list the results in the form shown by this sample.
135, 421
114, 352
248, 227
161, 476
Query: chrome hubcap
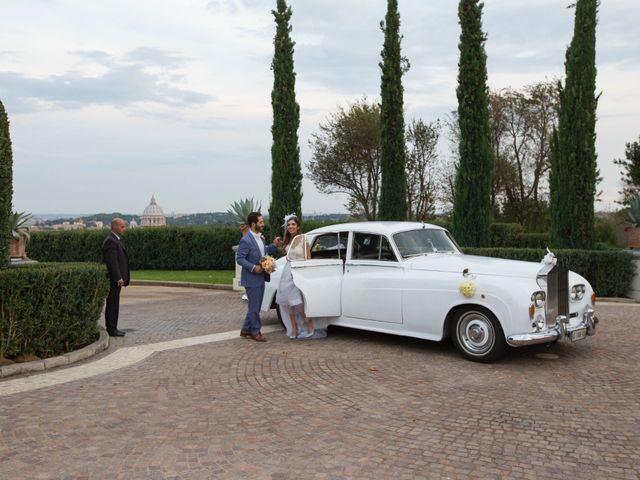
476, 333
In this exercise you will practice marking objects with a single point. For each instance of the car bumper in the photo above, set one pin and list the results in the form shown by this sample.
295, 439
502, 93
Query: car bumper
560, 330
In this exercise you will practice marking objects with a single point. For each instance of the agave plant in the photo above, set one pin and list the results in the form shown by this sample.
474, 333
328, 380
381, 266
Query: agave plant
241, 209
18, 221
632, 214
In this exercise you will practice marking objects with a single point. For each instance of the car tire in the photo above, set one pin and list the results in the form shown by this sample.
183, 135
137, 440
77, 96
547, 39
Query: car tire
477, 335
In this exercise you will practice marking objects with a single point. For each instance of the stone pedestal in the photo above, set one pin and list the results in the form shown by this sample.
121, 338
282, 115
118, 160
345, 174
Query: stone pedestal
635, 284
18, 247
236, 279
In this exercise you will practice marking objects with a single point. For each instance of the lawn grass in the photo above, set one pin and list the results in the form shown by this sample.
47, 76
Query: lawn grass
223, 277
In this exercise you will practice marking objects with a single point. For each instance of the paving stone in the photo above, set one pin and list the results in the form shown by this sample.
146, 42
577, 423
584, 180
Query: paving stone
355, 405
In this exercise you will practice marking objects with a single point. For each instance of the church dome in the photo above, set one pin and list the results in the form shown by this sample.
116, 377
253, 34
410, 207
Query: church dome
153, 215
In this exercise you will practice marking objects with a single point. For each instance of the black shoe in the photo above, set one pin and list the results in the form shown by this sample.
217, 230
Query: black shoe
117, 333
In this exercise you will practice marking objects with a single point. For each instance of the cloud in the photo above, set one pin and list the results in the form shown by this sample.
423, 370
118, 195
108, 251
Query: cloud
156, 58
142, 75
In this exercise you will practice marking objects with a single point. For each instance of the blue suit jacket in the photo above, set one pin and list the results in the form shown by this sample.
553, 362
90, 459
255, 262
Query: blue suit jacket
248, 256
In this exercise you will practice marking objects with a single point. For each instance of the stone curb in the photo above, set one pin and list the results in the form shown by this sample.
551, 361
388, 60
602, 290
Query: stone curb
162, 283
68, 358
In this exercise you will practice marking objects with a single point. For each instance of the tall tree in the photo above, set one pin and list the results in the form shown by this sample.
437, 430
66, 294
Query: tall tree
522, 124
6, 187
574, 170
472, 194
393, 189
286, 174
630, 173
422, 165
346, 157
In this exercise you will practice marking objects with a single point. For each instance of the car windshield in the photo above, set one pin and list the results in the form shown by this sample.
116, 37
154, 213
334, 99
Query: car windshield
423, 241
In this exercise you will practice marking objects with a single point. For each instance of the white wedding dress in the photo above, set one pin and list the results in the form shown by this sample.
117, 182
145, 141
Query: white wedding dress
289, 297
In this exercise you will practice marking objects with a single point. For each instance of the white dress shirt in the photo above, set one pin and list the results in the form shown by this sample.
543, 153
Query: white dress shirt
259, 241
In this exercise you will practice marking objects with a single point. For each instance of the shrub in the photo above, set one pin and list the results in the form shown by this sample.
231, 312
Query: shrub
49, 309
610, 273
162, 248
505, 234
532, 240
441, 223
182, 248
605, 233
502, 234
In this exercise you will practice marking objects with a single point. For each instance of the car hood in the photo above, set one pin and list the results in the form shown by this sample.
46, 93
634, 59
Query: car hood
456, 263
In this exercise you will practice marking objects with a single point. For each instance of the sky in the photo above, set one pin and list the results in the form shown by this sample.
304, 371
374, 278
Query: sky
112, 102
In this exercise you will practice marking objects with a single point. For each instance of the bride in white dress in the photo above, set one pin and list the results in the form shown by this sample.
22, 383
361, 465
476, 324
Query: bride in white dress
288, 295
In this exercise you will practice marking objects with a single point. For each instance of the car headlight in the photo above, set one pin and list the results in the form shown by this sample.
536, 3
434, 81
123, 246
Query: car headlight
538, 298
577, 292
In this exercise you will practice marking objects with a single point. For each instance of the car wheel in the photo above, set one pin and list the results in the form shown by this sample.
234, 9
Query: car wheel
478, 336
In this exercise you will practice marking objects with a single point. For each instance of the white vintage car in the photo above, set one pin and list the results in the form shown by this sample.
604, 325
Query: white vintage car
412, 279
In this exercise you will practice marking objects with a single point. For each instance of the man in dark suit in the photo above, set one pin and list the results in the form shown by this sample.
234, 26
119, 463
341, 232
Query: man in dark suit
251, 249
114, 256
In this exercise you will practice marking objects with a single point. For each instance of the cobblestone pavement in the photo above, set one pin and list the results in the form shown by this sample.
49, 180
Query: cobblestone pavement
352, 406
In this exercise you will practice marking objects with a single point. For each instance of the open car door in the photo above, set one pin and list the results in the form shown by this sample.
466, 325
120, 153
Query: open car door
319, 279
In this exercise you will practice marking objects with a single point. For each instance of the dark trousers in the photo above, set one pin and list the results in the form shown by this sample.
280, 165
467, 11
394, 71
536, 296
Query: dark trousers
112, 309
252, 320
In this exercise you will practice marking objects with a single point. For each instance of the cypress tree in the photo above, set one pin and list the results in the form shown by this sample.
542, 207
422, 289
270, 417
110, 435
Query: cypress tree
574, 169
472, 191
286, 173
393, 186
6, 187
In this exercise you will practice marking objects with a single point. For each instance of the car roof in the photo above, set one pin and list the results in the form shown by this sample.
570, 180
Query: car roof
385, 228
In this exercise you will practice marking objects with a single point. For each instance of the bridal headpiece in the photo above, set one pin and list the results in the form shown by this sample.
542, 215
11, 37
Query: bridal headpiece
287, 218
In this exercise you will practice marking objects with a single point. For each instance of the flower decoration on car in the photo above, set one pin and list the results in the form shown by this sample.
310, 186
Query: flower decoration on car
468, 286
268, 263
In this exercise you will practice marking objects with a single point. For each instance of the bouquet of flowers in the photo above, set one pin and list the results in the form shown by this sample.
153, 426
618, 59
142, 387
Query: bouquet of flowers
468, 288
268, 263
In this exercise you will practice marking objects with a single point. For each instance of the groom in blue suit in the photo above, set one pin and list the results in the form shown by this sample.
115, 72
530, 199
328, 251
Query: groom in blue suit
250, 251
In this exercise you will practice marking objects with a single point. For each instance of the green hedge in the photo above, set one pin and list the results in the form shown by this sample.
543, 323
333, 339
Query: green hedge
610, 273
159, 248
210, 248
49, 309
512, 235
531, 240
505, 234
502, 234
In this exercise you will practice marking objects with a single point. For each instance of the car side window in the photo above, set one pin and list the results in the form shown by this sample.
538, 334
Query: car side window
330, 245
298, 248
386, 252
369, 246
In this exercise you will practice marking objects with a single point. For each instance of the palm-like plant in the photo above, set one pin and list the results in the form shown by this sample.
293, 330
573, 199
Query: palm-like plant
241, 209
18, 222
632, 214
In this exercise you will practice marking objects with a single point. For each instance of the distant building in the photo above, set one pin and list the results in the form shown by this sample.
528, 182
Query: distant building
153, 216
133, 223
69, 226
